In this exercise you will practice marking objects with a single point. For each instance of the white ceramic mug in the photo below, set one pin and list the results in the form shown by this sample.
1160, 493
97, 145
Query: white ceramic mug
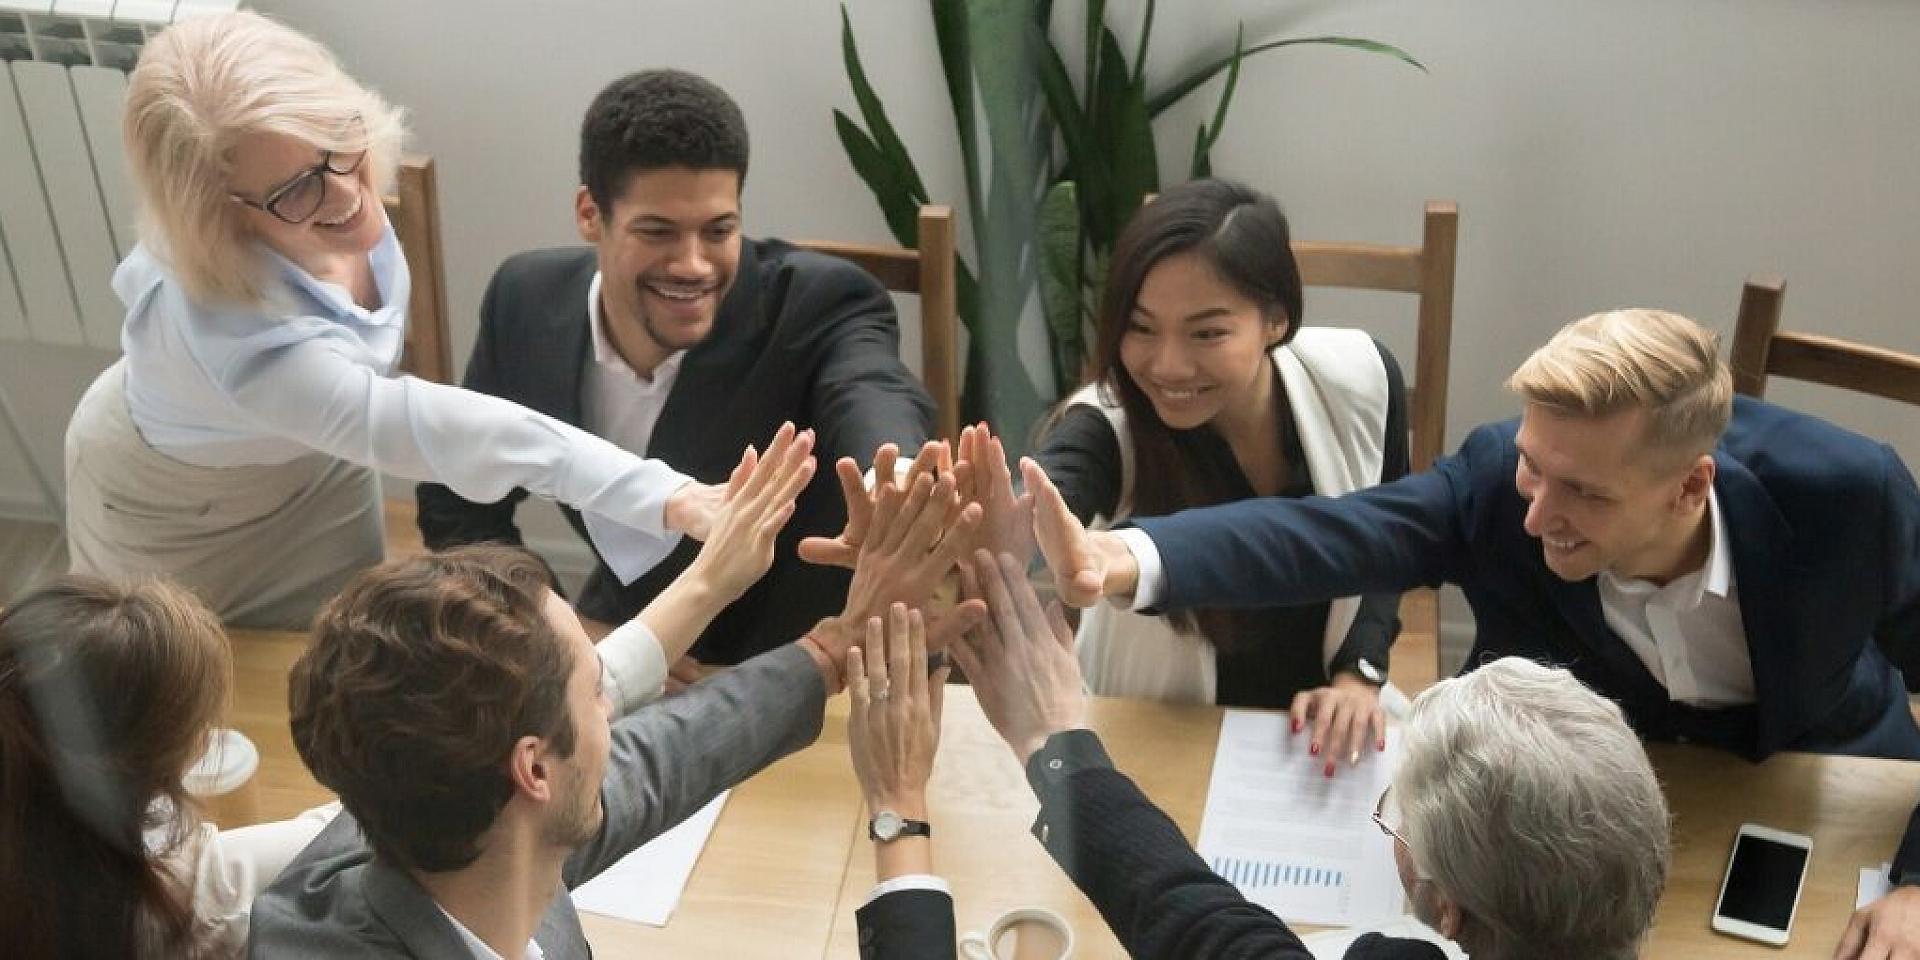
981, 946
223, 779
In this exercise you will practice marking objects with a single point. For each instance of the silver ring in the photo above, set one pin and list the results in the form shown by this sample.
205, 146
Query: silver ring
882, 694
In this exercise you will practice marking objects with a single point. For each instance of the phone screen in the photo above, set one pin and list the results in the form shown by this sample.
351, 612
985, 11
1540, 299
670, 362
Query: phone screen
1763, 881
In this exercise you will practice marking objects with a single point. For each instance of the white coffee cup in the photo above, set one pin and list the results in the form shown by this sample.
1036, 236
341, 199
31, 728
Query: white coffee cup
984, 946
222, 778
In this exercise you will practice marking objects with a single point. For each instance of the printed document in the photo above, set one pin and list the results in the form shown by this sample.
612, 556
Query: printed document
645, 885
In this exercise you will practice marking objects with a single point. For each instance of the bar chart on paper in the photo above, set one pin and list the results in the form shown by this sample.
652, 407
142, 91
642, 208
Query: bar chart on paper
1292, 839
1321, 890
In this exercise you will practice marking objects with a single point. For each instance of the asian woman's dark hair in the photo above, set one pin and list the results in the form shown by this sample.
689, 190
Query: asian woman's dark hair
1242, 234
107, 693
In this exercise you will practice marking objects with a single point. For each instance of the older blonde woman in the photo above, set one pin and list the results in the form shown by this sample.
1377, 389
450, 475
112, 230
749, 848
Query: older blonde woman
236, 446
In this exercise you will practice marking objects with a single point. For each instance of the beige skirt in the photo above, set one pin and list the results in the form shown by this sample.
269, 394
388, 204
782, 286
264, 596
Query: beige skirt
264, 545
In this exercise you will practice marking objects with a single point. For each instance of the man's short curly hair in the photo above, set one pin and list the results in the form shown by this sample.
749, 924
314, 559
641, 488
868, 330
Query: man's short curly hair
656, 119
422, 675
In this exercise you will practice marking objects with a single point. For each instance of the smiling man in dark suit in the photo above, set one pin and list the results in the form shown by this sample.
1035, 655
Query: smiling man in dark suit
1731, 572
675, 337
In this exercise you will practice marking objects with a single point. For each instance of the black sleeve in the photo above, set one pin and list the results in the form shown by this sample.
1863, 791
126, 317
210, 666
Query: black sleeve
863, 396
907, 925
1377, 623
445, 518
1156, 894
1081, 455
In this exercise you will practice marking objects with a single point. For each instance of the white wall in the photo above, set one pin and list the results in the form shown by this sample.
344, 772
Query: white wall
1632, 152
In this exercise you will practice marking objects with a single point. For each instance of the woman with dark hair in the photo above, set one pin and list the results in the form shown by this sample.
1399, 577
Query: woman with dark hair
1204, 388
107, 694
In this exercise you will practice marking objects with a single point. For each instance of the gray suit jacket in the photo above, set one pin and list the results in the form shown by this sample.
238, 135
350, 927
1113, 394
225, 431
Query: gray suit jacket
668, 759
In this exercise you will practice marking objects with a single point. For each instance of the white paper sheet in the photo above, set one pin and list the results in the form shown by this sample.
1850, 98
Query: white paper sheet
1333, 944
645, 885
1873, 885
1292, 839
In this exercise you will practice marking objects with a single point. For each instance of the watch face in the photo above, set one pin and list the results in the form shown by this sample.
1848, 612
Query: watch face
886, 824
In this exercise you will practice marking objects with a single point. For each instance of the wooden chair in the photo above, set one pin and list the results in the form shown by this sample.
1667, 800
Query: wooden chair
414, 211
1760, 350
1426, 271
928, 272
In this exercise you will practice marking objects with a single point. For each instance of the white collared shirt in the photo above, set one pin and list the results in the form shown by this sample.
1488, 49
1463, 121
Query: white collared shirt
618, 403
479, 947
310, 370
1688, 632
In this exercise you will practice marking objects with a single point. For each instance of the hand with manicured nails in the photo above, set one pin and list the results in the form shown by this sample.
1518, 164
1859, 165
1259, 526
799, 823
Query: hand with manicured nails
1345, 718
981, 475
1020, 658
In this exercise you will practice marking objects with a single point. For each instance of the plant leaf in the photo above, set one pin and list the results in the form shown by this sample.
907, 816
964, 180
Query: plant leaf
1202, 163
881, 131
1059, 243
1140, 52
1122, 125
1159, 102
956, 66
1086, 161
892, 187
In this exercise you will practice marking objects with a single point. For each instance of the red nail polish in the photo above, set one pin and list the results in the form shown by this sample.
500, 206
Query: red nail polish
1381, 745
1296, 726
1329, 771
1314, 750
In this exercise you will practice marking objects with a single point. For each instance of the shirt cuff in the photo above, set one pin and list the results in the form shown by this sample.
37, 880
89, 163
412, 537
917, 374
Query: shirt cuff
1151, 584
628, 552
901, 468
634, 666
910, 881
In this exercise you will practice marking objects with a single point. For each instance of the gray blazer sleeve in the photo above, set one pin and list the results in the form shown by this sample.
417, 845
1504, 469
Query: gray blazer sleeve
672, 756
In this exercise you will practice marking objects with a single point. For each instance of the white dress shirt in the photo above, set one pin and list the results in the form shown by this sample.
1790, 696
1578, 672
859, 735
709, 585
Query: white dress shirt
1689, 632
221, 871
620, 404
479, 947
309, 369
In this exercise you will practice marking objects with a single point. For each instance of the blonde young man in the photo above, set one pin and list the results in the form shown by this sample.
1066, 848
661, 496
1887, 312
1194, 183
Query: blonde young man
1729, 571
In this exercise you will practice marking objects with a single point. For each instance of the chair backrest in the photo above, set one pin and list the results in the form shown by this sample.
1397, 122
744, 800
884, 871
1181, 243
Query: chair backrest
414, 211
1760, 350
1425, 271
929, 272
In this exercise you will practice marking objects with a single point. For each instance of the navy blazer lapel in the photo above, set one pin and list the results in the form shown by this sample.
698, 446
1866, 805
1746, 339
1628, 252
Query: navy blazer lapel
1759, 539
411, 915
1579, 603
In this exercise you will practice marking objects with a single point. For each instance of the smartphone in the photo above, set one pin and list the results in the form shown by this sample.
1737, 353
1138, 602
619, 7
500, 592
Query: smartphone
1761, 890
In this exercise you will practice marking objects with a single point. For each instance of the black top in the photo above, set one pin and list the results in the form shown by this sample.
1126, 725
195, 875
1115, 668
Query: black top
800, 336
1155, 893
1281, 653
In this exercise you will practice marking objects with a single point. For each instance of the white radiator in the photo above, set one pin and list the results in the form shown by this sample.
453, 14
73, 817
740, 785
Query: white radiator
66, 207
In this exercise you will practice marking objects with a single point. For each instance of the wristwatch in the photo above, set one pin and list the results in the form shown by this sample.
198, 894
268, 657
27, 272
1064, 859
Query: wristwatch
1369, 672
887, 826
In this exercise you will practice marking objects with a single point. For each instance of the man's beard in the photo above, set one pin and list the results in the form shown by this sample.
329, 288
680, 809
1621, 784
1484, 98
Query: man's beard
580, 820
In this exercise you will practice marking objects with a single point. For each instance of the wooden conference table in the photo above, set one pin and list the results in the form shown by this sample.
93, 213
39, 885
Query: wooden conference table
789, 863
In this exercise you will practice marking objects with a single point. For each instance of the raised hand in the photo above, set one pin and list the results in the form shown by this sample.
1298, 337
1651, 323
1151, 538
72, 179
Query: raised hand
914, 538
757, 503
1020, 659
935, 459
982, 476
1345, 718
894, 728
1080, 568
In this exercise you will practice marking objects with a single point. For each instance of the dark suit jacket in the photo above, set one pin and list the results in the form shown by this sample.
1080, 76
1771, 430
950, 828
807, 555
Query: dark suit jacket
1825, 530
915, 924
799, 337
668, 760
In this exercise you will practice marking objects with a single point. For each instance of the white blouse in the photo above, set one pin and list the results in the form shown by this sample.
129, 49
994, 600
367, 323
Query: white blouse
310, 370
